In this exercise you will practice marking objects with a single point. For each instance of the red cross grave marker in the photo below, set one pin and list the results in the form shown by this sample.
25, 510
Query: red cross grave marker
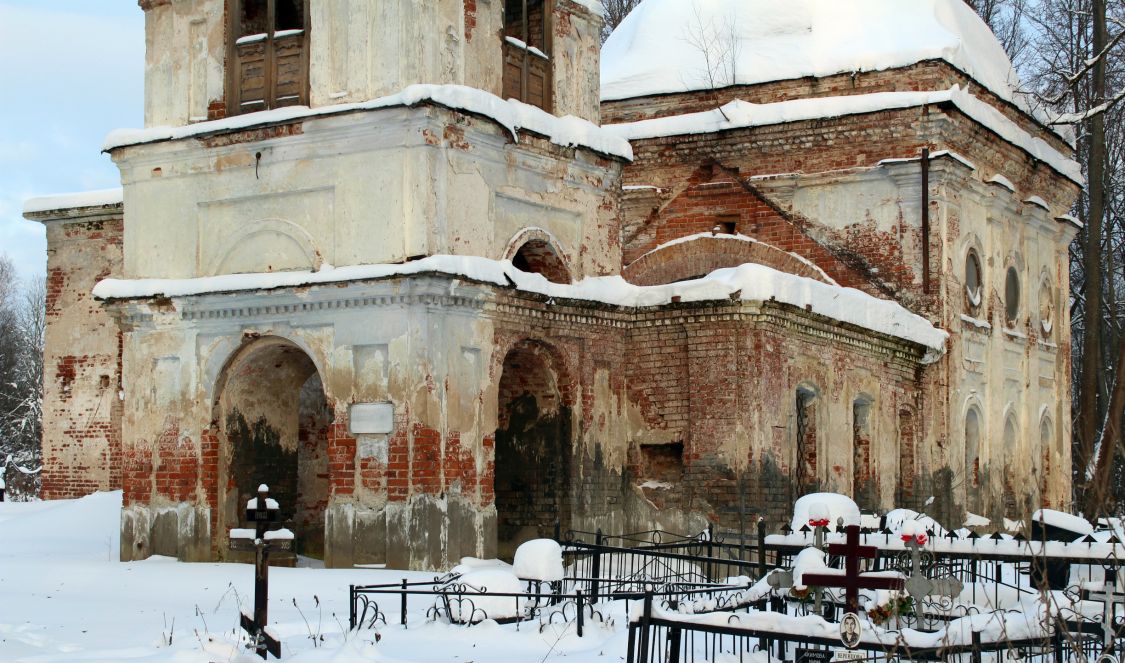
852, 581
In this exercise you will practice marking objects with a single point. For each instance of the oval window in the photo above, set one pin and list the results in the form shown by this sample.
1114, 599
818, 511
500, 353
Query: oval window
1012, 295
972, 282
1046, 309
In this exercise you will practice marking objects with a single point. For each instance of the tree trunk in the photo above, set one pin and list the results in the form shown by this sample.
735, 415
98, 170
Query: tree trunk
1108, 448
1089, 412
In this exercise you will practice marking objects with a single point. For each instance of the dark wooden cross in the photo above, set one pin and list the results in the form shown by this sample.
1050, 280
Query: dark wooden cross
851, 581
261, 511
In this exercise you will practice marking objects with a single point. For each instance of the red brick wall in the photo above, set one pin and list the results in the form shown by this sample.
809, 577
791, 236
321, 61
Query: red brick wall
699, 208
82, 378
934, 75
690, 171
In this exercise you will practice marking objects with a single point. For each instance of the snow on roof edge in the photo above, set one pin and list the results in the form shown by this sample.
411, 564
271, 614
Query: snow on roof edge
595, 6
740, 114
753, 282
567, 131
1044, 121
61, 201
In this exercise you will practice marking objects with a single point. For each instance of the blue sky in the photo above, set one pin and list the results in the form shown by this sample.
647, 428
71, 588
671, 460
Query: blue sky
70, 71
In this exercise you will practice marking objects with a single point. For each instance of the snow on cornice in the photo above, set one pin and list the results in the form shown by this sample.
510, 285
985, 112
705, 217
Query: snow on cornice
1038, 202
1000, 180
1071, 219
750, 282
568, 131
52, 203
933, 157
741, 238
740, 114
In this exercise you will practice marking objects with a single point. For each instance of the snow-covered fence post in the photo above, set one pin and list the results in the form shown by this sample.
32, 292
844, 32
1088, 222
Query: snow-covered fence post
402, 604
646, 618
674, 635
762, 545
710, 549
581, 608
596, 567
976, 647
261, 511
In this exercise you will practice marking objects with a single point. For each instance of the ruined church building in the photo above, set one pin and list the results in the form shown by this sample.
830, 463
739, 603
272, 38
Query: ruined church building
445, 273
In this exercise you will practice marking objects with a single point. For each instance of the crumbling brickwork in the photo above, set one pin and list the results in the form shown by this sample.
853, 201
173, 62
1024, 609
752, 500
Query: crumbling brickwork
81, 369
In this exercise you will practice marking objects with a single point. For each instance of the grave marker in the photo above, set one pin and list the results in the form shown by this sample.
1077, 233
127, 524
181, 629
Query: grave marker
919, 586
852, 581
1110, 598
261, 511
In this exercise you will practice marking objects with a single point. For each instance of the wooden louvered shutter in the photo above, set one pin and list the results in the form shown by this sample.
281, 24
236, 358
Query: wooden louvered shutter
527, 65
269, 55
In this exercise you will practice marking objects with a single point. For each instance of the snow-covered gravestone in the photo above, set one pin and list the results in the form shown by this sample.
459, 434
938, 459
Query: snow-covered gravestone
261, 511
3, 486
539, 560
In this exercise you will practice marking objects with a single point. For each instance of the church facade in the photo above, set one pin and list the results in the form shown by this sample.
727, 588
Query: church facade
446, 282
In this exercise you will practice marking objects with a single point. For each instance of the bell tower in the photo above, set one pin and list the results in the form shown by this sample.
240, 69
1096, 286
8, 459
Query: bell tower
209, 59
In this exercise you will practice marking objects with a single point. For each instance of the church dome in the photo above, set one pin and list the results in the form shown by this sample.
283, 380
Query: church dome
658, 48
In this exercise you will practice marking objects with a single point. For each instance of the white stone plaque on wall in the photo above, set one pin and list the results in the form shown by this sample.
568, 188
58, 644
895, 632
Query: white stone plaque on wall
372, 446
371, 418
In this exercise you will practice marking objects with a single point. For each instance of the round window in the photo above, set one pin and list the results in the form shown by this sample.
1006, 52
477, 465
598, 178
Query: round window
972, 280
1012, 295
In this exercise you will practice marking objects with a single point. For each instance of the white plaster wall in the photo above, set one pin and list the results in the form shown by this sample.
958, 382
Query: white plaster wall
185, 55
362, 188
1017, 370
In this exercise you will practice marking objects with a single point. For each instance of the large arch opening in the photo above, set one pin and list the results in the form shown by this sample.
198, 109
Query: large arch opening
272, 419
533, 448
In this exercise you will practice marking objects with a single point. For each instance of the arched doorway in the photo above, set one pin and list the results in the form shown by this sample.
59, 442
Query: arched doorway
533, 448
272, 419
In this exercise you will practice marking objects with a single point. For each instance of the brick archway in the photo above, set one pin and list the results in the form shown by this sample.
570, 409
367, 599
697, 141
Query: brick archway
270, 424
701, 255
535, 250
532, 474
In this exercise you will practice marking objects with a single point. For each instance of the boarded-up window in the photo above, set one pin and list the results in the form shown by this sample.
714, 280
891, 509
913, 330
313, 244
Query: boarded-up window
526, 48
806, 474
972, 460
864, 490
269, 55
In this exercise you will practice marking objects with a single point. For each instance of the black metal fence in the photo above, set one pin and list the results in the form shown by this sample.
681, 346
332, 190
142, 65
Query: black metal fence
678, 578
656, 638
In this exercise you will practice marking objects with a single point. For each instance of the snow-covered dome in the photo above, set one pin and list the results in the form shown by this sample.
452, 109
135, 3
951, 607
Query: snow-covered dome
656, 49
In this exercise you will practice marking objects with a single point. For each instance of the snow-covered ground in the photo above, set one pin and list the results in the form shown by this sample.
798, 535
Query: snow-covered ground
64, 597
